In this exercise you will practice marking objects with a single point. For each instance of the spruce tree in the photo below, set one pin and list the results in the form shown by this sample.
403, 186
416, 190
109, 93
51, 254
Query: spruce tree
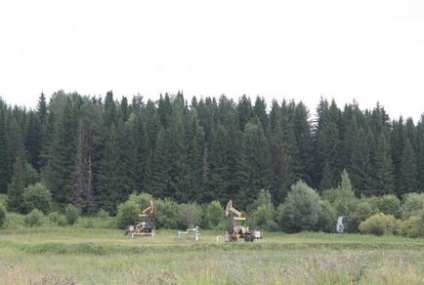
244, 111
124, 111
125, 170
158, 178
303, 158
4, 152
80, 172
360, 167
408, 170
259, 111
137, 151
152, 126
254, 167
282, 177
18, 182
15, 200
59, 171
383, 166
196, 159
88, 153
108, 191
397, 144
165, 110
420, 153
181, 183
207, 113
110, 115
328, 146
33, 140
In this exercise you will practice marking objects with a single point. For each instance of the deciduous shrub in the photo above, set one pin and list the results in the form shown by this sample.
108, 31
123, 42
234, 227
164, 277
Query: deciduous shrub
330, 195
263, 213
102, 214
142, 200
37, 196
3, 199
263, 218
3, 215
301, 210
379, 224
413, 205
57, 219
362, 211
72, 214
346, 201
215, 214
166, 214
343, 200
127, 214
414, 226
189, 215
34, 218
388, 204
327, 218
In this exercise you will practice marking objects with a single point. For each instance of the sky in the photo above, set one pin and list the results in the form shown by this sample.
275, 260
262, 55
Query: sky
366, 51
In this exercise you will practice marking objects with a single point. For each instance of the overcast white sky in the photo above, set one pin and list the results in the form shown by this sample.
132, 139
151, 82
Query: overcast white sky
361, 50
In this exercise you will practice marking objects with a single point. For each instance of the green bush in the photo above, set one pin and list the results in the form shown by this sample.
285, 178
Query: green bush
166, 214
3, 200
345, 201
103, 215
327, 218
330, 195
88, 223
189, 215
57, 219
362, 211
215, 215
127, 214
3, 215
345, 205
414, 226
263, 219
72, 214
37, 196
262, 212
31, 175
301, 210
379, 224
15, 221
142, 200
34, 218
413, 205
388, 204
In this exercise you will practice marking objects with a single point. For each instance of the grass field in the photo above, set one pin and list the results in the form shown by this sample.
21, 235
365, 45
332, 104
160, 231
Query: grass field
100, 256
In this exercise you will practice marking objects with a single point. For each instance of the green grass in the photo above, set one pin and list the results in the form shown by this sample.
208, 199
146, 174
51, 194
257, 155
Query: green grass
77, 255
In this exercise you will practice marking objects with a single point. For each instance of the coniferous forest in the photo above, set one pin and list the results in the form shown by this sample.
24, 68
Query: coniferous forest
94, 152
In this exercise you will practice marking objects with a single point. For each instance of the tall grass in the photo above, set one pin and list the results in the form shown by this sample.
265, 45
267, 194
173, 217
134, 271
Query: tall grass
222, 267
81, 255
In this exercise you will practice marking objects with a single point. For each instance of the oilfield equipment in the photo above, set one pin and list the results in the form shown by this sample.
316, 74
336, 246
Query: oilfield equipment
340, 225
193, 233
237, 229
146, 225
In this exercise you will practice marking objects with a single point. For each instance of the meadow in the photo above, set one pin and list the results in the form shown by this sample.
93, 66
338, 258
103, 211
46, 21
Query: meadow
73, 255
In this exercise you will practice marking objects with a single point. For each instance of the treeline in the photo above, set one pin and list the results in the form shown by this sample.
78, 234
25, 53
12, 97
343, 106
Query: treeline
93, 152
